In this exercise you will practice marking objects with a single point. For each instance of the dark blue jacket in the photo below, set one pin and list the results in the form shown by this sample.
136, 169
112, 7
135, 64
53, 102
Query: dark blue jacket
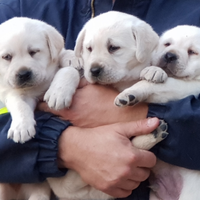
36, 159
68, 16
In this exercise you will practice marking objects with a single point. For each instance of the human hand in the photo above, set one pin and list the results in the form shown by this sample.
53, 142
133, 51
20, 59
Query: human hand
105, 157
93, 105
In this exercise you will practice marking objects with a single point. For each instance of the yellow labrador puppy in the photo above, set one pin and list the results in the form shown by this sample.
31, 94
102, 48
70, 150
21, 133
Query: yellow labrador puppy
178, 53
31, 52
115, 47
30, 56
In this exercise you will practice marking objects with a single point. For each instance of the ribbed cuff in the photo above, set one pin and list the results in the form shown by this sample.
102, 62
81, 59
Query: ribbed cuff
49, 128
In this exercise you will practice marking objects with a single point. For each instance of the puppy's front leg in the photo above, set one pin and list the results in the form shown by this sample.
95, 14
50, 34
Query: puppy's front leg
139, 92
21, 109
65, 82
144, 91
153, 74
61, 91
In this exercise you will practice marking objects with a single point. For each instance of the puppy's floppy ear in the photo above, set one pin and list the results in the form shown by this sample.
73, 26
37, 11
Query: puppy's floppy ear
146, 40
79, 43
55, 41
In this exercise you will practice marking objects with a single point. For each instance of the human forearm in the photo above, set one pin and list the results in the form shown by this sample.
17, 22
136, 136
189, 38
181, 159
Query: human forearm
182, 117
93, 105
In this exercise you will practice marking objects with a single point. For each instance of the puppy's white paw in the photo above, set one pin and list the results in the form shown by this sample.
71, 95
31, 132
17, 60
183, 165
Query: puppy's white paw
160, 133
22, 131
139, 92
68, 58
146, 142
59, 97
129, 97
153, 74
77, 63
125, 99
61, 91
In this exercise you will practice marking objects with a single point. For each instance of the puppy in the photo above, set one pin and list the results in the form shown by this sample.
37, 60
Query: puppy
178, 53
31, 53
115, 47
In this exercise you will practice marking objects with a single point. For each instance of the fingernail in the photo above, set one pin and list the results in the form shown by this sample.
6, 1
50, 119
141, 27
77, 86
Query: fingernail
152, 121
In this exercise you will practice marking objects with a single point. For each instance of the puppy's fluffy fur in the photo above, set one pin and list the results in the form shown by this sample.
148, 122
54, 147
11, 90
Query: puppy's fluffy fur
31, 52
115, 47
178, 53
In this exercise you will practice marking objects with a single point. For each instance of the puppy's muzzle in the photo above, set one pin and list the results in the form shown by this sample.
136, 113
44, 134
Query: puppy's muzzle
23, 76
96, 70
170, 57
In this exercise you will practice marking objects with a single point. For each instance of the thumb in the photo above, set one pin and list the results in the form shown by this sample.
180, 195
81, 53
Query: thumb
140, 127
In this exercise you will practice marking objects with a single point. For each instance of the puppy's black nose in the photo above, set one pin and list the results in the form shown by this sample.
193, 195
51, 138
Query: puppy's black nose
170, 57
24, 75
95, 71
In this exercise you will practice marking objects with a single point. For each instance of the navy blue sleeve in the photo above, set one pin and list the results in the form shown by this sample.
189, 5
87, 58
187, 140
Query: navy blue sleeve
36, 159
181, 147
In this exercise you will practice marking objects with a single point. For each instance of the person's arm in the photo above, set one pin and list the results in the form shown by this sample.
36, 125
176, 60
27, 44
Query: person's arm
36, 159
93, 105
103, 153
181, 147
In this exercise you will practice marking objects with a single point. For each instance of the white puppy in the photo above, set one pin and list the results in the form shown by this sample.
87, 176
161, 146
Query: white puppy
178, 53
31, 52
115, 47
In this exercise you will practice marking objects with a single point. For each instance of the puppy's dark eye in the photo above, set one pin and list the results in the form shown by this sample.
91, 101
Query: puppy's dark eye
191, 52
33, 52
7, 57
89, 49
167, 44
112, 48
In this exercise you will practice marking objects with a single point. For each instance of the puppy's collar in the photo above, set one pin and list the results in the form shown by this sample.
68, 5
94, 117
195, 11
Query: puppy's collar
3, 110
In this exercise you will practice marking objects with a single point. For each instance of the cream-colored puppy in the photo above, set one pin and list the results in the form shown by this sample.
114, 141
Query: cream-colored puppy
178, 53
31, 52
115, 47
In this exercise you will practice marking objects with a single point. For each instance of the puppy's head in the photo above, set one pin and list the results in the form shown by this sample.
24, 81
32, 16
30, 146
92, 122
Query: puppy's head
115, 47
178, 52
29, 52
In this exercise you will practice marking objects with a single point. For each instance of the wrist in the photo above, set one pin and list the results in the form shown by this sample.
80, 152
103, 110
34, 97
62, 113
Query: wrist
67, 146
133, 113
